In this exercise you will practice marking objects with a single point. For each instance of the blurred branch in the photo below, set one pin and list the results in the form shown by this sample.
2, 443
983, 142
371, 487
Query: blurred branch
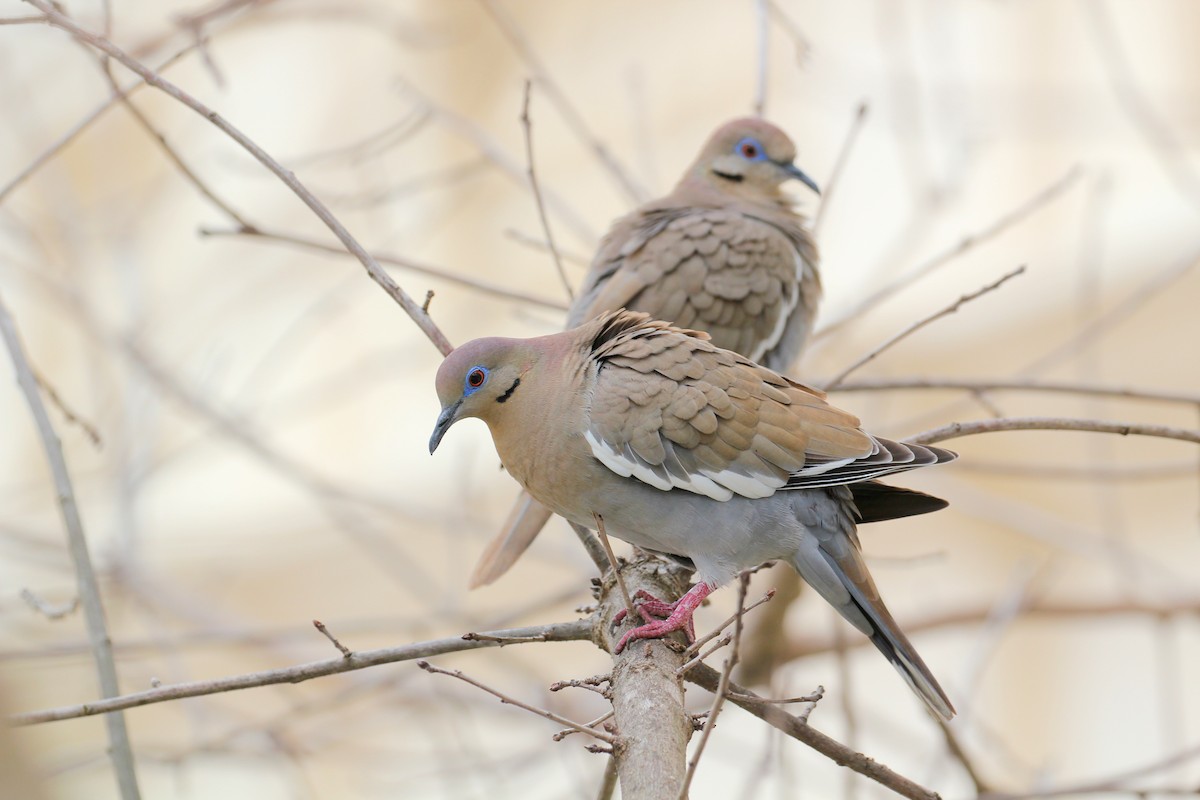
839, 165
958, 429
412, 308
169, 151
708, 678
1090, 334
68, 414
1019, 385
916, 326
575, 630
397, 261
1173, 156
49, 153
541, 712
512, 32
722, 686
538, 244
1113, 783
89, 589
796, 648
966, 244
491, 150
527, 127
762, 33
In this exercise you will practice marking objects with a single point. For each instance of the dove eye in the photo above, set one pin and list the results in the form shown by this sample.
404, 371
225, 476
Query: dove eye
750, 149
476, 378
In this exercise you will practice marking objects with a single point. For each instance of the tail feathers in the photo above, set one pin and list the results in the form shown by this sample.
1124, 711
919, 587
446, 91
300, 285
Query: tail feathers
845, 583
524, 523
899, 651
876, 502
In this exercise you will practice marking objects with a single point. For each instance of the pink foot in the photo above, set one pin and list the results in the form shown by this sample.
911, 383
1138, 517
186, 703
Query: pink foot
678, 615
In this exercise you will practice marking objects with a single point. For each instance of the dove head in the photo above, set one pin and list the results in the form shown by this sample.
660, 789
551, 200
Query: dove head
477, 379
750, 158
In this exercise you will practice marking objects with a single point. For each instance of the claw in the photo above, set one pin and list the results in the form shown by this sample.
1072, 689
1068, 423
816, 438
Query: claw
678, 616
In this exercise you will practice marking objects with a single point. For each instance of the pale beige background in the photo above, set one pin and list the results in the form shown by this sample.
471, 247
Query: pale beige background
265, 410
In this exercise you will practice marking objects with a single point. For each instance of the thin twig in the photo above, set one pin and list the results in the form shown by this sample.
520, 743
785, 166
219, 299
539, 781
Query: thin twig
573, 631
558, 737
345, 651
48, 611
1017, 385
794, 649
616, 570
1170, 152
696, 645
120, 750
959, 429
170, 152
423, 321
916, 326
53, 150
708, 678
491, 150
1091, 334
696, 659
396, 261
762, 33
839, 165
541, 712
1112, 783
814, 697
722, 687
503, 640
525, 239
968, 242
68, 414
527, 127
562, 101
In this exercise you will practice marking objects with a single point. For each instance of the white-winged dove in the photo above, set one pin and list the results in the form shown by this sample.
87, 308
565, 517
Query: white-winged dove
723, 253
687, 449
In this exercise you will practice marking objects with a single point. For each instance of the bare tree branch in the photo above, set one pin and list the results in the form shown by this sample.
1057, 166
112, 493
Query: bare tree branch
839, 165
708, 678
916, 326
527, 127
1017, 385
506, 699
967, 243
956, 430
562, 102
495, 289
85, 576
575, 630
412, 308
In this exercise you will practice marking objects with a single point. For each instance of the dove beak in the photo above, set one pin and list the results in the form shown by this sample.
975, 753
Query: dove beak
447, 418
795, 172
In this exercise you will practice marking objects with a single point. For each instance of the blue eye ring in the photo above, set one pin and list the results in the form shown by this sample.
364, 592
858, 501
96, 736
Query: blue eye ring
476, 377
750, 149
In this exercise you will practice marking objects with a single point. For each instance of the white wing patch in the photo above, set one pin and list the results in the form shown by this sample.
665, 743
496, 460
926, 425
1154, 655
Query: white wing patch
719, 485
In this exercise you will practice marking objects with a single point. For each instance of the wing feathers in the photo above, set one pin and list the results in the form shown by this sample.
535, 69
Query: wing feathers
674, 411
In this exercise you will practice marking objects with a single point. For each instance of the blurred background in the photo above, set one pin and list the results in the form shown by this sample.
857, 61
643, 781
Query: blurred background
246, 416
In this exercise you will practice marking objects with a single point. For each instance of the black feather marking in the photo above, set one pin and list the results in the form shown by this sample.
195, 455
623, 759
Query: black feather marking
504, 397
729, 177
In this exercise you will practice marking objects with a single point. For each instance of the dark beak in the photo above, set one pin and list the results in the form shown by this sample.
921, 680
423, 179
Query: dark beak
798, 174
447, 418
